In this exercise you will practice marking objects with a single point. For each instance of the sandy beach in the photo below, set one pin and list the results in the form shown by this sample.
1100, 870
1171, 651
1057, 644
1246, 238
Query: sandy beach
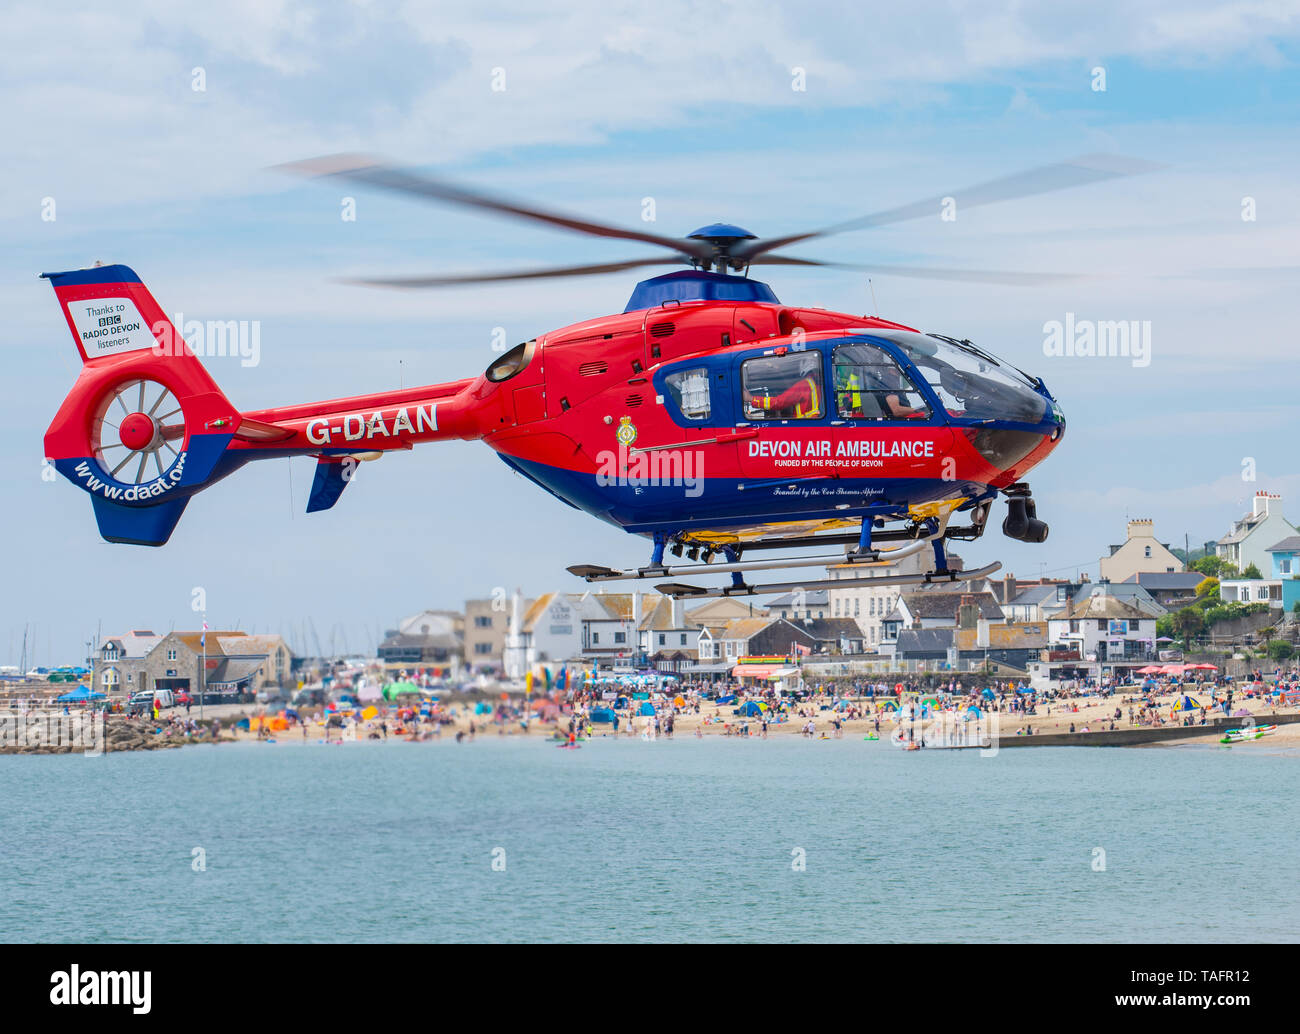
1085, 714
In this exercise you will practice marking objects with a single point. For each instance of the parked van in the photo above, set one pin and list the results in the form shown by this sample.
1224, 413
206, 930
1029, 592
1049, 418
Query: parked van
148, 696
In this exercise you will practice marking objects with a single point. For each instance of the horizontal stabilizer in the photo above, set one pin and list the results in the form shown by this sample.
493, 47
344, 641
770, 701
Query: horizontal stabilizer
138, 525
332, 476
257, 431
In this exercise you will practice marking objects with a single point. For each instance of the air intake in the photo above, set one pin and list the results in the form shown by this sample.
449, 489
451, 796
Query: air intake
593, 369
662, 329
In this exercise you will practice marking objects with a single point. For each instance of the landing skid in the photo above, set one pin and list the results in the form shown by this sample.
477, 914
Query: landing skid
679, 591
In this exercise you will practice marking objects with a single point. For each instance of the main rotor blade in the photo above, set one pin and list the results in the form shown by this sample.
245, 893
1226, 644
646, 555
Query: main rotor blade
974, 276
1076, 172
363, 169
523, 274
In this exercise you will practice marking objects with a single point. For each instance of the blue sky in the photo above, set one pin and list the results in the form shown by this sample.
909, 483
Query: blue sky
605, 104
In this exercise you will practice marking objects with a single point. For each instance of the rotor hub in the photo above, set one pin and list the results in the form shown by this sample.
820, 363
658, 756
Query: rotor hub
138, 431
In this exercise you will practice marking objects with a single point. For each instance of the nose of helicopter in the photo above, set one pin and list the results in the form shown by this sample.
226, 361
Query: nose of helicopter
1059, 417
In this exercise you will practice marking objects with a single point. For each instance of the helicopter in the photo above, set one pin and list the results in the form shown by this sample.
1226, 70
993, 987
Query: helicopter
708, 417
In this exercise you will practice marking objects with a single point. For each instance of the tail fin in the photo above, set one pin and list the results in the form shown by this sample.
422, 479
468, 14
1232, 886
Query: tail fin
145, 426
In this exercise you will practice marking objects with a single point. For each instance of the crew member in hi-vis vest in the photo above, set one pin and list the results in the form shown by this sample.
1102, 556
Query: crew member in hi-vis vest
802, 399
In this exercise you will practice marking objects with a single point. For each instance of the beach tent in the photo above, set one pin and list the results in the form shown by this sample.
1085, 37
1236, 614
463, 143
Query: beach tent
1186, 704
396, 689
730, 698
603, 715
987, 694
646, 708
889, 705
750, 709
368, 692
80, 693
679, 701
973, 712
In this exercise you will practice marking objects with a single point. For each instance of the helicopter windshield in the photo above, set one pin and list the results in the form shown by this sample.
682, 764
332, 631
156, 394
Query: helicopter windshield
970, 383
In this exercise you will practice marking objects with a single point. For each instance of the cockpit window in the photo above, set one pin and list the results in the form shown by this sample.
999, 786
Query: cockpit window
969, 382
511, 363
870, 385
783, 387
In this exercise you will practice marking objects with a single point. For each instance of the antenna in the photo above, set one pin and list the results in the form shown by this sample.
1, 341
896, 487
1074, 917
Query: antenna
872, 288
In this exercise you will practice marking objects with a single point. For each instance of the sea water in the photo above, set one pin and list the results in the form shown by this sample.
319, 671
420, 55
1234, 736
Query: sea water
719, 839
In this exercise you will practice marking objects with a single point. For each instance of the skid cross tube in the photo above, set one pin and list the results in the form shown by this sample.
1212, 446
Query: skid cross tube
678, 591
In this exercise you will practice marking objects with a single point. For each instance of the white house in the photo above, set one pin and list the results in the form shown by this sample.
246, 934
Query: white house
550, 630
666, 636
1106, 629
1249, 539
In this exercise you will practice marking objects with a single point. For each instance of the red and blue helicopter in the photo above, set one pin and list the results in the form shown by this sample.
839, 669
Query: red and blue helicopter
708, 416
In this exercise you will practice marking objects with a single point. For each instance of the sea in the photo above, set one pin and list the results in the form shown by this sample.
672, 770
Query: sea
714, 839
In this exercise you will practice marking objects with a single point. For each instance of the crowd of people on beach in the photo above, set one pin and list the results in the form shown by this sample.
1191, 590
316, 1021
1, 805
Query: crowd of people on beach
732, 708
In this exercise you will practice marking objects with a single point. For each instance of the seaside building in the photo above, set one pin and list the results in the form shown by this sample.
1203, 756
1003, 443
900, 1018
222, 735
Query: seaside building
711, 620
667, 639
1173, 590
933, 609
1104, 630
1140, 552
487, 626
1128, 592
759, 637
1280, 586
951, 631
431, 641
834, 635
120, 659
238, 665
1249, 538
1285, 569
814, 603
1036, 599
554, 627
611, 626
869, 605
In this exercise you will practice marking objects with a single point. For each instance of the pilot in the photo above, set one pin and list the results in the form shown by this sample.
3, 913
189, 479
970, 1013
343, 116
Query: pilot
895, 398
802, 399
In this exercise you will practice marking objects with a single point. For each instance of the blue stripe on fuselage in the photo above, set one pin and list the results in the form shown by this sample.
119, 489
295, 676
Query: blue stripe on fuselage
720, 502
